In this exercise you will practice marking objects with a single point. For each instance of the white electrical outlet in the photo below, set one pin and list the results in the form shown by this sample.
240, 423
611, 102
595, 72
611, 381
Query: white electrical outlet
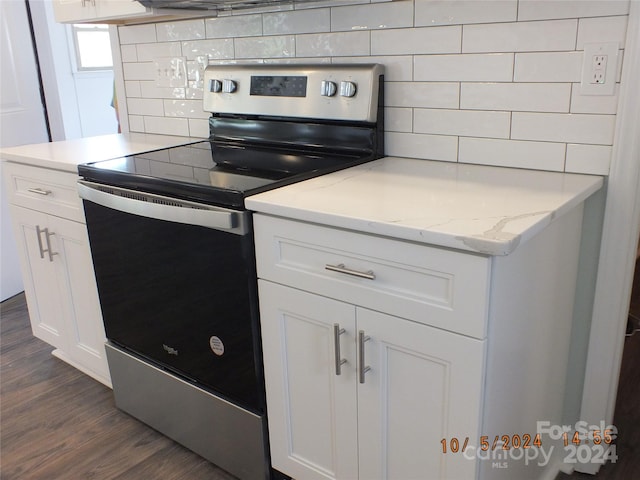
171, 71
599, 68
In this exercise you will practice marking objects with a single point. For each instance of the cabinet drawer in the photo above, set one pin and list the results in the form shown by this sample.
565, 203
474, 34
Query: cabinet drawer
428, 285
44, 190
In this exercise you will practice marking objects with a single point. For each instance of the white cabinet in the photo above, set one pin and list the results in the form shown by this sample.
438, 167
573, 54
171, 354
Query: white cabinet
117, 12
455, 346
67, 11
420, 385
60, 287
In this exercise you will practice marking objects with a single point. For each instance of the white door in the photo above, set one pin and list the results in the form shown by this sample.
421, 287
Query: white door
311, 410
424, 385
45, 291
22, 118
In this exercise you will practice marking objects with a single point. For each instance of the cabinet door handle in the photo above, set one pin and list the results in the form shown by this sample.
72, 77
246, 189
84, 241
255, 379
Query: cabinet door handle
340, 268
362, 369
39, 191
47, 236
337, 331
39, 235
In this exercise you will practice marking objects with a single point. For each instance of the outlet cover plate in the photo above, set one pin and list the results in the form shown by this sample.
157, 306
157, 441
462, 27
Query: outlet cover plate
590, 68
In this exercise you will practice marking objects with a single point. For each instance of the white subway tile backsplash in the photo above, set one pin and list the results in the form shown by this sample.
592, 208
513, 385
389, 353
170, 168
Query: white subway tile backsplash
213, 49
194, 92
132, 88
512, 153
139, 71
605, 104
182, 30
416, 41
476, 81
339, 44
549, 9
398, 119
148, 52
548, 67
297, 21
185, 108
261, 47
233, 26
491, 67
422, 94
167, 126
526, 97
372, 17
591, 159
570, 128
128, 53
452, 12
470, 123
414, 145
396, 68
599, 30
136, 123
145, 106
198, 128
552, 35
150, 89
137, 34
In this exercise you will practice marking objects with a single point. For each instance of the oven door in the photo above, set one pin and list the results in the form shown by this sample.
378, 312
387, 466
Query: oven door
176, 282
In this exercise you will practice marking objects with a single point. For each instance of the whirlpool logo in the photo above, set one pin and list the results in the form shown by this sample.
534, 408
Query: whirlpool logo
170, 350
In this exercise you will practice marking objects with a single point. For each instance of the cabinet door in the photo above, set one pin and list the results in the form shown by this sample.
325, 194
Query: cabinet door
424, 384
68, 11
84, 326
311, 410
43, 291
74, 10
107, 9
60, 289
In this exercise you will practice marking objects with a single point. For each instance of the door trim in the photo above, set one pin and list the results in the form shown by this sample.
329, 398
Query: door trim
618, 251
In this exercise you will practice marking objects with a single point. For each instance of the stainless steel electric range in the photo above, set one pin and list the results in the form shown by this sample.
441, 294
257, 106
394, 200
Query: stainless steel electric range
172, 247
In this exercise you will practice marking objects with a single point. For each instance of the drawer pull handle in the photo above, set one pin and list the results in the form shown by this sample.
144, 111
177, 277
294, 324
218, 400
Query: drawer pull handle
340, 268
337, 331
39, 191
362, 369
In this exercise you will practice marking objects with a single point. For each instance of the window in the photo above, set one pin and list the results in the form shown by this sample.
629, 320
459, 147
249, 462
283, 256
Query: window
92, 46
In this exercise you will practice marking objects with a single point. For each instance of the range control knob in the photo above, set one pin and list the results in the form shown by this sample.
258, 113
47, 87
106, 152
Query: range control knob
327, 88
229, 86
347, 89
215, 86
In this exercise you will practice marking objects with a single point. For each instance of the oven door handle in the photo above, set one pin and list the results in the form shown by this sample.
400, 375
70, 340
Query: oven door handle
164, 208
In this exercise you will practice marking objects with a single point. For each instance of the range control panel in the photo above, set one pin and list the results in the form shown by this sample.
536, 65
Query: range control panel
333, 92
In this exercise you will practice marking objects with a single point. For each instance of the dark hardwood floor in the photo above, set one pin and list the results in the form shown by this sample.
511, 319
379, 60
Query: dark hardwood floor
57, 423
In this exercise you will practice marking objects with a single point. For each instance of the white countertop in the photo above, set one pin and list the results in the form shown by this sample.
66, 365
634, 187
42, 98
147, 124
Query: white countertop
476, 208
66, 155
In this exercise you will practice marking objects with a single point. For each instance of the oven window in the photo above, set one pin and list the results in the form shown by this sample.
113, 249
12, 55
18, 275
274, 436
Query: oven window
182, 297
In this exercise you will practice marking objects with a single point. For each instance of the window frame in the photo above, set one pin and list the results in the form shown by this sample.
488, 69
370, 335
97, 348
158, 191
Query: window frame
75, 46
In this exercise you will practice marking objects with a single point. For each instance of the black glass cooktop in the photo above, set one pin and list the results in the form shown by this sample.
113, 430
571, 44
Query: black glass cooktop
211, 173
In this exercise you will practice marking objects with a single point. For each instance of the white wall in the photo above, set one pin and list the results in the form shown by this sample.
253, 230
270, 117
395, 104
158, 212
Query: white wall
486, 81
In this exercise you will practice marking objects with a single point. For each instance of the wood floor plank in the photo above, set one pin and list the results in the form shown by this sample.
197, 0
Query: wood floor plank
57, 423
